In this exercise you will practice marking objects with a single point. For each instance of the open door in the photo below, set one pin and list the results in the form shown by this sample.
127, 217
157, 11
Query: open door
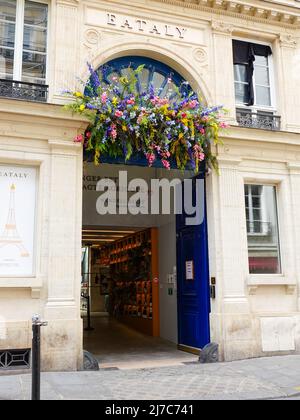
193, 275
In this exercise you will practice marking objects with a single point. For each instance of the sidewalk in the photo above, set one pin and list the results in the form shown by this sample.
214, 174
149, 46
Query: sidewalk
266, 378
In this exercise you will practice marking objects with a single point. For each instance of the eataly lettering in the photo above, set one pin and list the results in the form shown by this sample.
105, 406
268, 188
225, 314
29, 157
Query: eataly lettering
142, 25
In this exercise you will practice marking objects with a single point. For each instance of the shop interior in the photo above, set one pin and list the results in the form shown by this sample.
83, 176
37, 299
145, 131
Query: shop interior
129, 274
120, 299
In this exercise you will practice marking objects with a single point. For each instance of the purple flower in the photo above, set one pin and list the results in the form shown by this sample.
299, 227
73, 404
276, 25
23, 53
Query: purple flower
94, 79
210, 110
90, 106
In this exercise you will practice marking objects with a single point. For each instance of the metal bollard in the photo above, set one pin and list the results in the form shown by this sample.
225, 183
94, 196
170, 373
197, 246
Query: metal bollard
36, 357
89, 327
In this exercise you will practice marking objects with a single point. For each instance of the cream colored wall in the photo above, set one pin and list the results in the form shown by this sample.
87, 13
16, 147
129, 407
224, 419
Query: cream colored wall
42, 136
254, 315
249, 315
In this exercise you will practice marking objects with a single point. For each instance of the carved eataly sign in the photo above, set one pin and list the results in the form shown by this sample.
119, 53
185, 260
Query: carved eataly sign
143, 26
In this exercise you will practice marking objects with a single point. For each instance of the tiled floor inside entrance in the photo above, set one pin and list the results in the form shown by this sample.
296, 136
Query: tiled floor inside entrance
117, 346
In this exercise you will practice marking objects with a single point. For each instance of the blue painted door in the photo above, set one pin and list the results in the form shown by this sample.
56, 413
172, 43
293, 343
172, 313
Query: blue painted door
193, 281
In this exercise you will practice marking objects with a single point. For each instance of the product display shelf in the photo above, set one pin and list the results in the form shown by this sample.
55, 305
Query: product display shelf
137, 302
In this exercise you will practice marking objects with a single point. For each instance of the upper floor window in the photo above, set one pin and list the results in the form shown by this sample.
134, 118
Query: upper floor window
23, 40
252, 74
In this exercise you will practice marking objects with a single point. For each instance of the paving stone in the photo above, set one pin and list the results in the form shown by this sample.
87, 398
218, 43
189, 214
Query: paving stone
253, 379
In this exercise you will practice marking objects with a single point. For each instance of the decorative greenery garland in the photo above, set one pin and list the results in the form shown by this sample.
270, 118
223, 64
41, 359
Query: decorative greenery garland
125, 122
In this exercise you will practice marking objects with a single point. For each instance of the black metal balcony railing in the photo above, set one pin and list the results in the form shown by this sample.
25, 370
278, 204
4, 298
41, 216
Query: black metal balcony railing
22, 90
259, 119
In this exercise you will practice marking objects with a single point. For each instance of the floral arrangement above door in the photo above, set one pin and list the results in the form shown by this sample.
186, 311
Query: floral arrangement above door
139, 106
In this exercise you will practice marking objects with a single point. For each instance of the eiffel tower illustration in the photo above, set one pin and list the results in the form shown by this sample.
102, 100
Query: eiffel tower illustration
10, 235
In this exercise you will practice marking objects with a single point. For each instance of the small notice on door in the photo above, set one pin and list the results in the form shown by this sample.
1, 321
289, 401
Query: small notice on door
189, 270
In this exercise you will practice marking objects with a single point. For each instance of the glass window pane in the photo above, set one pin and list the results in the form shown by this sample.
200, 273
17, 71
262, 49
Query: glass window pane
7, 34
256, 190
241, 93
263, 235
8, 10
144, 79
256, 202
6, 63
34, 68
157, 81
263, 95
36, 14
256, 214
262, 76
240, 73
35, 39
262, 61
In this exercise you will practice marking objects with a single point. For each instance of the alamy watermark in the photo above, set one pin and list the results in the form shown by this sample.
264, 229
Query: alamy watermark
156, 197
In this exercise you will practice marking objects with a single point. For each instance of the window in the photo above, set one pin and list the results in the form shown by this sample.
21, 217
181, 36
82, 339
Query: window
262, 229
252, 74
23, 40
7, 38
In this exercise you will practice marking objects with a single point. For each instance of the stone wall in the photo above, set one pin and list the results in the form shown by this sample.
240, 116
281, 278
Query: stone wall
41, 136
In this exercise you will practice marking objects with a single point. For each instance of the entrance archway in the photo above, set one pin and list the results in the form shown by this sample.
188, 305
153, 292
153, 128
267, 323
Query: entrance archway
119, 238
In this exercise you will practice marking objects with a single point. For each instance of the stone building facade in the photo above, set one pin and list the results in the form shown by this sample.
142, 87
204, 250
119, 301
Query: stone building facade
253, 314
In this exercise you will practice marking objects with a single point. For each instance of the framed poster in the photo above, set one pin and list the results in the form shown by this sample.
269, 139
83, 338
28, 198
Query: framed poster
18, 190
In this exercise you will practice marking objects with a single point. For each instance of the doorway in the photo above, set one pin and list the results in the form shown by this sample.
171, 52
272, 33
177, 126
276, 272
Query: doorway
132, 271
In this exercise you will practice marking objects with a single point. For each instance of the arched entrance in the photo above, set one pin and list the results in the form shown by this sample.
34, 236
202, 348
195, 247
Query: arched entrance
135, 268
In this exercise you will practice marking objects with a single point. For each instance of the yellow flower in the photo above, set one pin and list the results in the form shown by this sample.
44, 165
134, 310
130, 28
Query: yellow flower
78, 95
82, 107
124, 128
185, 121
180, 136
115, 101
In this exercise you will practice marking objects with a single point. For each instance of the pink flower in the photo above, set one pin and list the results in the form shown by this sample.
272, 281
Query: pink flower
155, 100
104, 97
131, 101
198, 153
224, 125
113, 132
79, 139
151, 158
119, 114
202, 131
163, 101
166, 164
192, 104
114, 79
88, 135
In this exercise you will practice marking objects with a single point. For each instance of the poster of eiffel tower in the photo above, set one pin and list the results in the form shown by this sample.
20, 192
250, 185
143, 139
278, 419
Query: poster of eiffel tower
10, 235
17, 220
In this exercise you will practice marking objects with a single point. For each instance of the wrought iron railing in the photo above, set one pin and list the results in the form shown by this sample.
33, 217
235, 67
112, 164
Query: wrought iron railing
14, 359
23, 90
259, 119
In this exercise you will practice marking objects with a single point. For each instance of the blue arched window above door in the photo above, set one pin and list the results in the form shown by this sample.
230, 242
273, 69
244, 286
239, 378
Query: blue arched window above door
154, 75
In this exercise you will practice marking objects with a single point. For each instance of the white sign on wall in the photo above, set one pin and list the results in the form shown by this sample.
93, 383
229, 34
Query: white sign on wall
18, 187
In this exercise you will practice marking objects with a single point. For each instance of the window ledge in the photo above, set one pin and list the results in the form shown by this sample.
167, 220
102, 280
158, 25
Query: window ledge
256, 281
33, 283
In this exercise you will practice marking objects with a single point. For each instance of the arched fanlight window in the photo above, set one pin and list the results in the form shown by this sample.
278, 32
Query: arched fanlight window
155, 75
